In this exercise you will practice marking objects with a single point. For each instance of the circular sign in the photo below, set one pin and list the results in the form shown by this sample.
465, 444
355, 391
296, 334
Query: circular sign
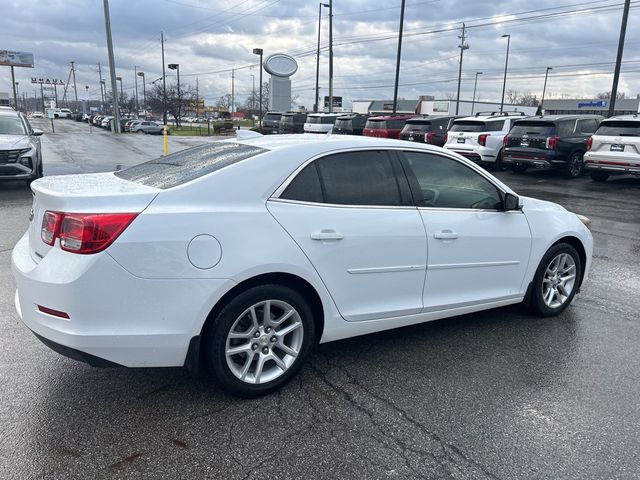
280, 65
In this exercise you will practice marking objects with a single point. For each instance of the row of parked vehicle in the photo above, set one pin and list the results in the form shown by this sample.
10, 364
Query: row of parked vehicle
133, 125
501, 140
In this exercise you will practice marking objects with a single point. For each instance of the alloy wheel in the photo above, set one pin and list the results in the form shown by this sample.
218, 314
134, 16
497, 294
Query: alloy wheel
559, 280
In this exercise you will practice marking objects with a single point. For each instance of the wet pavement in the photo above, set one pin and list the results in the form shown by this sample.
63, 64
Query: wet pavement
493, 395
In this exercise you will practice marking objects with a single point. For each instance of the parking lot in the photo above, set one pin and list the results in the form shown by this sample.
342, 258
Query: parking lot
493, 395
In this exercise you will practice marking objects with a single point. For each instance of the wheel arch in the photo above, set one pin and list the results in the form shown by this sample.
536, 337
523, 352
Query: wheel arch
582, 252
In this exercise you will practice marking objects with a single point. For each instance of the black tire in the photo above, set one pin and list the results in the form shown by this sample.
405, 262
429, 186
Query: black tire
574, 166
498, 166
215, 339
599, 176
537, 302
519, 168
140, 131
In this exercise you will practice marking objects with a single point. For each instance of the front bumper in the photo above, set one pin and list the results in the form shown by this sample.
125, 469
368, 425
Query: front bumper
15, 171
114, 317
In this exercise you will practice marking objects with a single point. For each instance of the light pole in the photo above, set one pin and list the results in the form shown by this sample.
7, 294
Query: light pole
176, 66
475, 84
259, 51
506, 64
144, 93
331, 55
395, 88
121, 95
17, 96
253, 97
616, 71
317, 102
112, 66
103, 91
544, 89
463, 46
135, 70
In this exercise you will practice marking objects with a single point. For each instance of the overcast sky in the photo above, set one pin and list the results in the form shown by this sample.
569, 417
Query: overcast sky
210, 37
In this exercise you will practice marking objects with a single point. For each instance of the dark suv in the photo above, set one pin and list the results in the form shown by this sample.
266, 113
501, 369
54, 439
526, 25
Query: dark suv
351, 124
271, 123
388, 126
431, 130
552, 141
292, 122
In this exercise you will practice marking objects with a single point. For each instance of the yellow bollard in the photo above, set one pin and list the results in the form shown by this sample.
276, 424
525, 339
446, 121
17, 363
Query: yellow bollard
165, 141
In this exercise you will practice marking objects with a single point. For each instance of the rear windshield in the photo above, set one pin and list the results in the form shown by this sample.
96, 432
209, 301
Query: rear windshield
476, 126
187, 165
274, 117
344, 123
417, 126
321, 120
385, 124
532, 128
619, 128
287, 120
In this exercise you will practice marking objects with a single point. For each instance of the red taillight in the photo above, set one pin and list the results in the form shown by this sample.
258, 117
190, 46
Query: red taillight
589, 143
552, 142
505, 141
428, 137
482, 139
51, 311
50, 227
84, 232
446, 137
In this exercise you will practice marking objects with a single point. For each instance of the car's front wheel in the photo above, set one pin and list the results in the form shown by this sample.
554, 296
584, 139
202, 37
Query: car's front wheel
556, 281
260, 340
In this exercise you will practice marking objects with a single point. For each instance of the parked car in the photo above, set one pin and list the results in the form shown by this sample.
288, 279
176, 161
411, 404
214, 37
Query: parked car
320, 122
480, 138
104, 122
150, 128
614, 149
432, 130
341, 251
350, 124
550, 141
271, 123
60, 112
388, 126
130, 124
37, 115
292, 122
20, 150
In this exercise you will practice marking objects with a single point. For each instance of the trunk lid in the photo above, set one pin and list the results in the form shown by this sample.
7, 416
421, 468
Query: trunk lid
90, 193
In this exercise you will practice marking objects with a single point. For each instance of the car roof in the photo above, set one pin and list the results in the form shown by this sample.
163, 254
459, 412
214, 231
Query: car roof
555, 118
633, 118
325, 114
8, 113
379, 118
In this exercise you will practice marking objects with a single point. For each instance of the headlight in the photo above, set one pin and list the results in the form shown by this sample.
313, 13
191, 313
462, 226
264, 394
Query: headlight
585, 221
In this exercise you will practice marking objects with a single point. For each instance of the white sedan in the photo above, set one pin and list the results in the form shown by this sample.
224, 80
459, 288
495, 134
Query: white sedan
245, 253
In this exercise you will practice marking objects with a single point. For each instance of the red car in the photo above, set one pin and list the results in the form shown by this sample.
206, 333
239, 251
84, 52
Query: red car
388, 126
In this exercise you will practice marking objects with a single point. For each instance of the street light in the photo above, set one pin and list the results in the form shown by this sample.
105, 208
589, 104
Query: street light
475, 84
121, 94
544, 89
506, 63
135, 70
176, 66
315, 106
144, 93
259, 51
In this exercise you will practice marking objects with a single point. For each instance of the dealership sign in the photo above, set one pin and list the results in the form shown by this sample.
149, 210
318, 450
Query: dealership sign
16, 59
47, 81
337, 101
592, 104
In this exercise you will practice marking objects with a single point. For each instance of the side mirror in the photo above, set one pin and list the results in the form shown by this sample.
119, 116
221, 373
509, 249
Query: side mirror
511, 202
37, 132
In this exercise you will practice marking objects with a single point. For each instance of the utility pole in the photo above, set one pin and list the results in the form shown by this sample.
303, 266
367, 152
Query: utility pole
233, 91
544, 89
13, 83
44, 109
463, 46
616, 73
473, 102
112, 67
395, 88
75, 90
164, 82
101, 88
197, 104
317, 102
506, 64
135, 77
331, 55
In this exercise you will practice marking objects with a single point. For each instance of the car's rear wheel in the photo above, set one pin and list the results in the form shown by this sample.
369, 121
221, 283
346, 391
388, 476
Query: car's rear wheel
599, 176
139, 131
574, 165
260, 340
556, 281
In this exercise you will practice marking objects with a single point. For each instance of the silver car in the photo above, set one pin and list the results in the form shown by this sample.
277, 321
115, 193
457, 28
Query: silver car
614, 148
149, 127
20, 151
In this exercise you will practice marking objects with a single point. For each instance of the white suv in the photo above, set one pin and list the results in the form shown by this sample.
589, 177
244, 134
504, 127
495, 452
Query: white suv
614, 148
320, 122
479, 138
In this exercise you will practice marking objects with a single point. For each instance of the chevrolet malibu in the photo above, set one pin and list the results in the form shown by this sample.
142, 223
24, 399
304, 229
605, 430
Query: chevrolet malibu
243, 254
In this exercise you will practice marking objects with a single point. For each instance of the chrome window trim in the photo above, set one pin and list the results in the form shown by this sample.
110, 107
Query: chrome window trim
339, 205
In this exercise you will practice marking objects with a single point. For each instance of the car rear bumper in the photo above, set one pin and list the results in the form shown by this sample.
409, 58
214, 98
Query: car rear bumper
477, 155
114, 317
533, 160
610, 164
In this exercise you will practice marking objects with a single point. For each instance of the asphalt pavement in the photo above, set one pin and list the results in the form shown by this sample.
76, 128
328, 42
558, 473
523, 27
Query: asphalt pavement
494, 395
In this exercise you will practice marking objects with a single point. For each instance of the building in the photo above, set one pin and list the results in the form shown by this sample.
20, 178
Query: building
4, 99
430, 106
624, 106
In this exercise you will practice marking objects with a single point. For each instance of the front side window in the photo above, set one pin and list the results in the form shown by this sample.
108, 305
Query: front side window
443, 182
352, 178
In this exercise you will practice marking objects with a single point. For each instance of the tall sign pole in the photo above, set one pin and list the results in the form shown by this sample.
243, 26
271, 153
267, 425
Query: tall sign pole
112, 68
616, 73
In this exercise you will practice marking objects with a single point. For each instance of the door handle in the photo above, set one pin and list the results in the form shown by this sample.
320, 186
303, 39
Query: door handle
325, 235
445, 235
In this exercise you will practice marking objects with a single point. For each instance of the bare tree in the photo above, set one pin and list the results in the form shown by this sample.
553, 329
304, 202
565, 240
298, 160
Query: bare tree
155, 99
607, 95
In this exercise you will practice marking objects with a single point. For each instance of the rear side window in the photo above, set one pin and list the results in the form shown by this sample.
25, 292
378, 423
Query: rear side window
587, 126
565, 128
619, 128
496, 126
187, 165
352, 178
